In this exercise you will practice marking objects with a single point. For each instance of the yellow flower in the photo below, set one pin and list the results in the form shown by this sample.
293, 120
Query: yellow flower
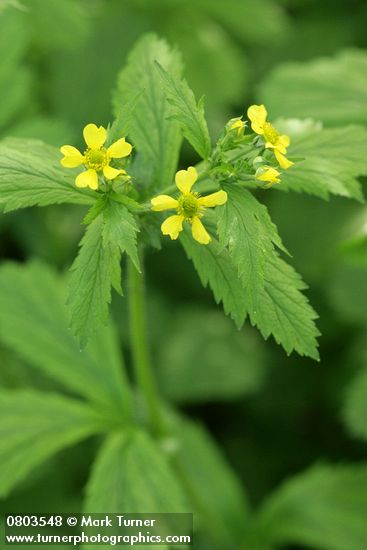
96, 157
189, 206
268, 174
273, 140
237, 124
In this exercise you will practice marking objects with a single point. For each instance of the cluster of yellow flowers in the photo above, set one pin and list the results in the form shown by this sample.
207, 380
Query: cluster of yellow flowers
189, 206
258, 115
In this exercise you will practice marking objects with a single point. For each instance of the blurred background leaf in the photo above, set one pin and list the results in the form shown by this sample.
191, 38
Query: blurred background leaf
34, 324
219, 503
36, 425
332, 161
303, 90
210, 364
15, 76
323, 508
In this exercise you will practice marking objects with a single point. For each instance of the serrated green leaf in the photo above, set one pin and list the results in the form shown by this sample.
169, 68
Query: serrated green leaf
355, 407
156, 138
244, 225
95, 270
121, 125
279, 307
216, 269
34, 426
334, 158
131, 474
283, 311
187, 112
219, 504
333, 90
120, 229
31, 175
96, 209
34, 323
323, 508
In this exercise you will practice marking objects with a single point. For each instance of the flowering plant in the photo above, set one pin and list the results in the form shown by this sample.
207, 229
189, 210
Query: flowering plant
127, 176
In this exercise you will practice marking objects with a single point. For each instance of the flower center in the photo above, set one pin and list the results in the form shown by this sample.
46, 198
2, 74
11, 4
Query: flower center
270, 133
188, 205
96, 159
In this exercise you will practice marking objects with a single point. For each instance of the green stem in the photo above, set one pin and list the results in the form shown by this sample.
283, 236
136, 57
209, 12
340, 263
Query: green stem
140, 349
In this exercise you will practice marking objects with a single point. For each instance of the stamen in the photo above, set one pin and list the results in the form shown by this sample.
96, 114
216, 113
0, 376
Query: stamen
188, 205
270, 133
96, 159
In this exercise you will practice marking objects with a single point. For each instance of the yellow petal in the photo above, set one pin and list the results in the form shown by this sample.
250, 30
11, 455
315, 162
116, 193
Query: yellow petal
283, 161
72, 157
185, 179
268, 174
199, 232
88, 178
172, 226
215, 199
163, 202
284, 140
72, 162
269, 145
112, 173
69, 151
280, 144
257, 114
94, 136
119, 149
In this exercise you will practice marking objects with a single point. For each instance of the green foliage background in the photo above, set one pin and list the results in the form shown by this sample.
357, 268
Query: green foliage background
289, 469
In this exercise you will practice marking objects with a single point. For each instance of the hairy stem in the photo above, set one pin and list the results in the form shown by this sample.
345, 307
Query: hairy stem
140, 349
